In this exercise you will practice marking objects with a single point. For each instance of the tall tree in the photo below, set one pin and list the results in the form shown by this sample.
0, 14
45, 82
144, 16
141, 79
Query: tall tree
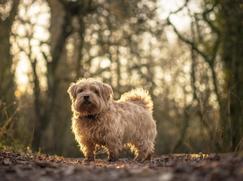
63, 12
7, 85
232, 57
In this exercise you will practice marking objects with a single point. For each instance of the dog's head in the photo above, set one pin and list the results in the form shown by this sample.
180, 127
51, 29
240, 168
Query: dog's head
89, 96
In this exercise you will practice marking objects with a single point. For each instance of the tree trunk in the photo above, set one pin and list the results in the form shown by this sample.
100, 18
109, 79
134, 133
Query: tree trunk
6, 74
61, 28
232, 57
58, 30
7, 83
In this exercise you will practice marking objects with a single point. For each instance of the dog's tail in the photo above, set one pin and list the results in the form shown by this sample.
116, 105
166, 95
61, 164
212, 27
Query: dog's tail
140, 97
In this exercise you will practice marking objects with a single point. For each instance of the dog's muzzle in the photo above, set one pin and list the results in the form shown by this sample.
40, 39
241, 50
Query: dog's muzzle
86, 100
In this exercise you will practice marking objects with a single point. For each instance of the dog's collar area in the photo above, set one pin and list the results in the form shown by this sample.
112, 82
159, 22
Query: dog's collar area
90, 117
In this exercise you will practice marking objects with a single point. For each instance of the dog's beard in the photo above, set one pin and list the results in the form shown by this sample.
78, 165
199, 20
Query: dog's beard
85, 108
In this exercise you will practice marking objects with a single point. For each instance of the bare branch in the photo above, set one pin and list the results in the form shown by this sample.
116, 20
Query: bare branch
189, 42
13, 11
180, 8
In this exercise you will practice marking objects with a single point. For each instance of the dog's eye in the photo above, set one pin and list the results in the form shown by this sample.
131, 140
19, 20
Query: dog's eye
80, 90
96, 92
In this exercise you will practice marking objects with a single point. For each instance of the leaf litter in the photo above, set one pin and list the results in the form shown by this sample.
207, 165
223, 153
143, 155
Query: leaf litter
41, 167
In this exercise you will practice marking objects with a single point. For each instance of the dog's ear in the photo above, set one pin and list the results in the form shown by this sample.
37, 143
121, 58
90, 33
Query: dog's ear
72, 90
107, 92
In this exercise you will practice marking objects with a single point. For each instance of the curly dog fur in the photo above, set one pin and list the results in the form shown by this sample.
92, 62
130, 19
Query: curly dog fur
100, 120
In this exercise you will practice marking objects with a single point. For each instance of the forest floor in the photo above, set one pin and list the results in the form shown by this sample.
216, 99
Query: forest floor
188, 167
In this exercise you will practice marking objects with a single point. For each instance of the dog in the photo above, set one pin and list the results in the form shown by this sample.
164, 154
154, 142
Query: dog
100, 120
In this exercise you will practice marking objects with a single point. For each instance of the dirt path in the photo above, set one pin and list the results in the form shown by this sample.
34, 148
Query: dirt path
29, 167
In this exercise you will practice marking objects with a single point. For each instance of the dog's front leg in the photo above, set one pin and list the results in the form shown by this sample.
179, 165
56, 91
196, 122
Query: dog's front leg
113, 155
114, 148
88, 150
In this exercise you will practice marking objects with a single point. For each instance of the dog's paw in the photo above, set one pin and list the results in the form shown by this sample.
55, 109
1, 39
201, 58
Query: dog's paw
112, 159
140, 160
89, 159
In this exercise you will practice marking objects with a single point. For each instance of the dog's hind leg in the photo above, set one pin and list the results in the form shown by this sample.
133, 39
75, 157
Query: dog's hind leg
143, 151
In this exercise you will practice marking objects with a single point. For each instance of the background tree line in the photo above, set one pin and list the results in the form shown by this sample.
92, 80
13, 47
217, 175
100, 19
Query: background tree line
193, 73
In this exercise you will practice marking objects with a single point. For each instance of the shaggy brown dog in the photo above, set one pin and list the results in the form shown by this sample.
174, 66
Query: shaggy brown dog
99, 120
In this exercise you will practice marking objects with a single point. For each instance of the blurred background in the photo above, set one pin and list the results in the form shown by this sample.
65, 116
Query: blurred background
187, 53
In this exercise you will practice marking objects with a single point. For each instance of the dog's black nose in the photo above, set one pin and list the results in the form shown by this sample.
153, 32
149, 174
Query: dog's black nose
86, 97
